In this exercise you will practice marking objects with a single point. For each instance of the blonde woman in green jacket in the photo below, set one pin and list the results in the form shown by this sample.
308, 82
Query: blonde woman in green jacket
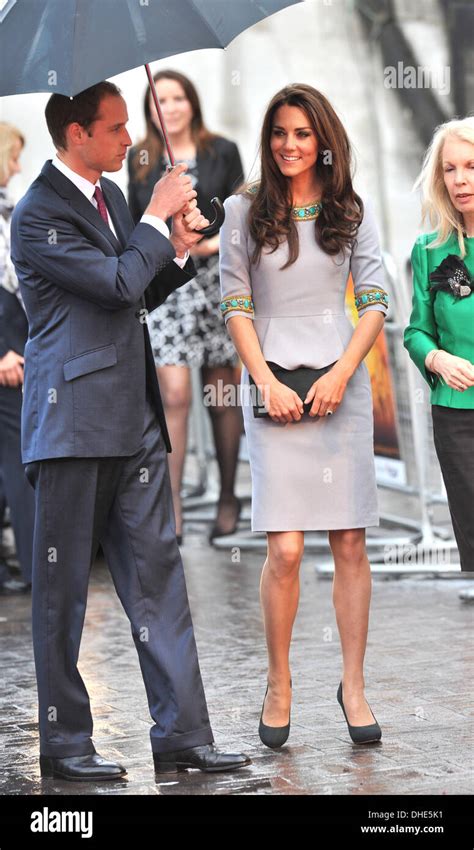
440, 336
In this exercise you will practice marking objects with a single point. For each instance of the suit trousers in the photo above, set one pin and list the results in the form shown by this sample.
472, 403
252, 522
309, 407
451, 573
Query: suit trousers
125, 505
453, 431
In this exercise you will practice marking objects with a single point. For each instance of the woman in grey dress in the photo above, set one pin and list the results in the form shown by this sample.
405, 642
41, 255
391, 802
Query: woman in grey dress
288, 245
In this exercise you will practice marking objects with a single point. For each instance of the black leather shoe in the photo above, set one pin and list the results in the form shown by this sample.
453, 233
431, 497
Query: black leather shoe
206, 758
360, 734
81, 768
273, 736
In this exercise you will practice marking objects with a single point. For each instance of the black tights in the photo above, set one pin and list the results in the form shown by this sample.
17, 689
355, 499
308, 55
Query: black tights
226, 427
226, 424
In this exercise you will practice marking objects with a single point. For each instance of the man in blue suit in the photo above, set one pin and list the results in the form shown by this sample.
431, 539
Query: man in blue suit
94, 435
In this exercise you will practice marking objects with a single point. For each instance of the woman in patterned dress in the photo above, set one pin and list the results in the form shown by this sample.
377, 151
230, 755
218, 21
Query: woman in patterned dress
187, 330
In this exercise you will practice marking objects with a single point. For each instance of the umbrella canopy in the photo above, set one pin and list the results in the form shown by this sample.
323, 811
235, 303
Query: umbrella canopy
65, 46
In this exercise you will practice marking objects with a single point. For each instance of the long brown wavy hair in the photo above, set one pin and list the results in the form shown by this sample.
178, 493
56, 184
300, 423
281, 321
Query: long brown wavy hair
270, 221
153, 142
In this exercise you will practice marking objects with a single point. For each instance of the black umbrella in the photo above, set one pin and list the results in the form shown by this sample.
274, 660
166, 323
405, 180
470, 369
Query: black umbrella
65, 46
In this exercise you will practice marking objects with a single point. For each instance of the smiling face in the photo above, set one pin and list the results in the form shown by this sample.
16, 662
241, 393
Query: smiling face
103, 146
176, 108
293, 143
458, 171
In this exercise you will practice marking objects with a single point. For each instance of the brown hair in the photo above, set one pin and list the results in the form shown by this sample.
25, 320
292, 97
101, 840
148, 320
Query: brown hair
153, 142
270, 221
82, 109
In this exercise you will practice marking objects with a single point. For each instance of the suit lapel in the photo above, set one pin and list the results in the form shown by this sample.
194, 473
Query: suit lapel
64, 187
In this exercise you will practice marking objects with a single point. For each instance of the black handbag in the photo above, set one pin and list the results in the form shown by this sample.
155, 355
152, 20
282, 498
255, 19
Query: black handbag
300, 380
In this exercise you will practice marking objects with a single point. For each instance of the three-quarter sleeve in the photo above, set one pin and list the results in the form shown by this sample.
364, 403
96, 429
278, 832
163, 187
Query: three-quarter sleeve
234, 260
420, 336
366, 267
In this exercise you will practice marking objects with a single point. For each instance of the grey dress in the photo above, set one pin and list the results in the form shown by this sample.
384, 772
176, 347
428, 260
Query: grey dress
315, 474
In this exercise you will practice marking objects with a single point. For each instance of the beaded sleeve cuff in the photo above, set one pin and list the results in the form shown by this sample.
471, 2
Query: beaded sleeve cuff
371, 296
243, 303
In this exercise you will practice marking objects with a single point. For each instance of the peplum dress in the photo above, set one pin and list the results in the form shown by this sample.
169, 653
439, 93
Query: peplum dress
315, 474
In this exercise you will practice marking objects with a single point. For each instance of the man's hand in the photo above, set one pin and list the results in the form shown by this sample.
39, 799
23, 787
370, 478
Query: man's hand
11, 369
171, 193
185, 223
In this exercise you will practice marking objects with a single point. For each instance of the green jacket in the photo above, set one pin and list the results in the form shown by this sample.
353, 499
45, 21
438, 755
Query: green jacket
440, 320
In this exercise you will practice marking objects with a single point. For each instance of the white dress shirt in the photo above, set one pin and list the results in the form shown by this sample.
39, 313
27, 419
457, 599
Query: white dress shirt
87, 188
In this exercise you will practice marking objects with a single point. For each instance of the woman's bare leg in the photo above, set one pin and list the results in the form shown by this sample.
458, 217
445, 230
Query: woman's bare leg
279, 595
352, 588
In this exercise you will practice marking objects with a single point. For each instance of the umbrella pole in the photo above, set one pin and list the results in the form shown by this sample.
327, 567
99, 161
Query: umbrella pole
217, 204
156, 101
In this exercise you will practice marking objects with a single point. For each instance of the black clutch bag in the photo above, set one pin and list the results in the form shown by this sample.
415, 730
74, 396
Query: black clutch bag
300, 380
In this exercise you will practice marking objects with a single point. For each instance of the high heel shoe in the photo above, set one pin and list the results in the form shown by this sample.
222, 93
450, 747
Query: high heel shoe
273, 736
218, 531
360, 734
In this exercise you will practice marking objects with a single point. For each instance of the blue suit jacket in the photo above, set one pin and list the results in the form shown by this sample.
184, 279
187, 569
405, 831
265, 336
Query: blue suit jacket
88, 359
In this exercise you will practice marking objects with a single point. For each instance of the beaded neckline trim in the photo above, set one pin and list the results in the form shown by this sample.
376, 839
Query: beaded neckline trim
306, 213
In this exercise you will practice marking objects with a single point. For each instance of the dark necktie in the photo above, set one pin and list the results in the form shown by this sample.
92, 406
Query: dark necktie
98, 195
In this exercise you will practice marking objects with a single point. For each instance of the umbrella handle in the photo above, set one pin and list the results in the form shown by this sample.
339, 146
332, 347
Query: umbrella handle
215, 225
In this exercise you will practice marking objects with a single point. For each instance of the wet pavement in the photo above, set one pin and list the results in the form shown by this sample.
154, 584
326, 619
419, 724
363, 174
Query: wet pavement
418, 671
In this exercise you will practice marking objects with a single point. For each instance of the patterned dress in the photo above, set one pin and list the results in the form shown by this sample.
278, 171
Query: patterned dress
187, 330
